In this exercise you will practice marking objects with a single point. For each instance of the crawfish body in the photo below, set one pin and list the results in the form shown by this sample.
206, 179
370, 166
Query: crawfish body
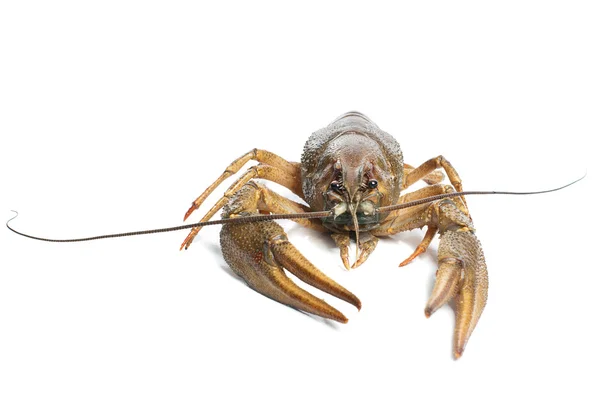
352, 168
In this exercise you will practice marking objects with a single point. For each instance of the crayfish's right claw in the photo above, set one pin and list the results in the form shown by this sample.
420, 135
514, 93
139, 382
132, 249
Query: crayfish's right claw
260, 251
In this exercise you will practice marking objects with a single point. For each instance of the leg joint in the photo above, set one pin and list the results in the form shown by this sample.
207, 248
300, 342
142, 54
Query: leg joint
440, 161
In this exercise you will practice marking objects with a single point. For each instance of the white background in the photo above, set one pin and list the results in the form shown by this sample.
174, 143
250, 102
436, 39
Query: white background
116, 115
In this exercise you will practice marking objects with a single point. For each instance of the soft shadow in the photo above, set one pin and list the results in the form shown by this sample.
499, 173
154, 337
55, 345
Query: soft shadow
214, 248
230, 272
321, 239
319, 320
327, 322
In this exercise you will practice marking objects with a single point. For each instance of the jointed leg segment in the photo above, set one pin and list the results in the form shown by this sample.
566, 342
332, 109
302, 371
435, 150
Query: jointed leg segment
422, 247
272, 167
262, 156
428, 167
433, 178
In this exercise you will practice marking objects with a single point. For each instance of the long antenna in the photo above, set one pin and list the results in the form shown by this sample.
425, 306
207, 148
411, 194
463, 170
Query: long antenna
469, 193
239, 220
269, 217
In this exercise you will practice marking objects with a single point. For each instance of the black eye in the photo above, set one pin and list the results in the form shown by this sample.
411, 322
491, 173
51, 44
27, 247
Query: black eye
372, 184
335, 185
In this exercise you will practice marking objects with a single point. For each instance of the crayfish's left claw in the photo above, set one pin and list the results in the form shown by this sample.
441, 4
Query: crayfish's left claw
462, 273
446, 284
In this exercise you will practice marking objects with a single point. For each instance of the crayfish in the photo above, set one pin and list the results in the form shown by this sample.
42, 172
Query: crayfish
351, 177
350, 168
